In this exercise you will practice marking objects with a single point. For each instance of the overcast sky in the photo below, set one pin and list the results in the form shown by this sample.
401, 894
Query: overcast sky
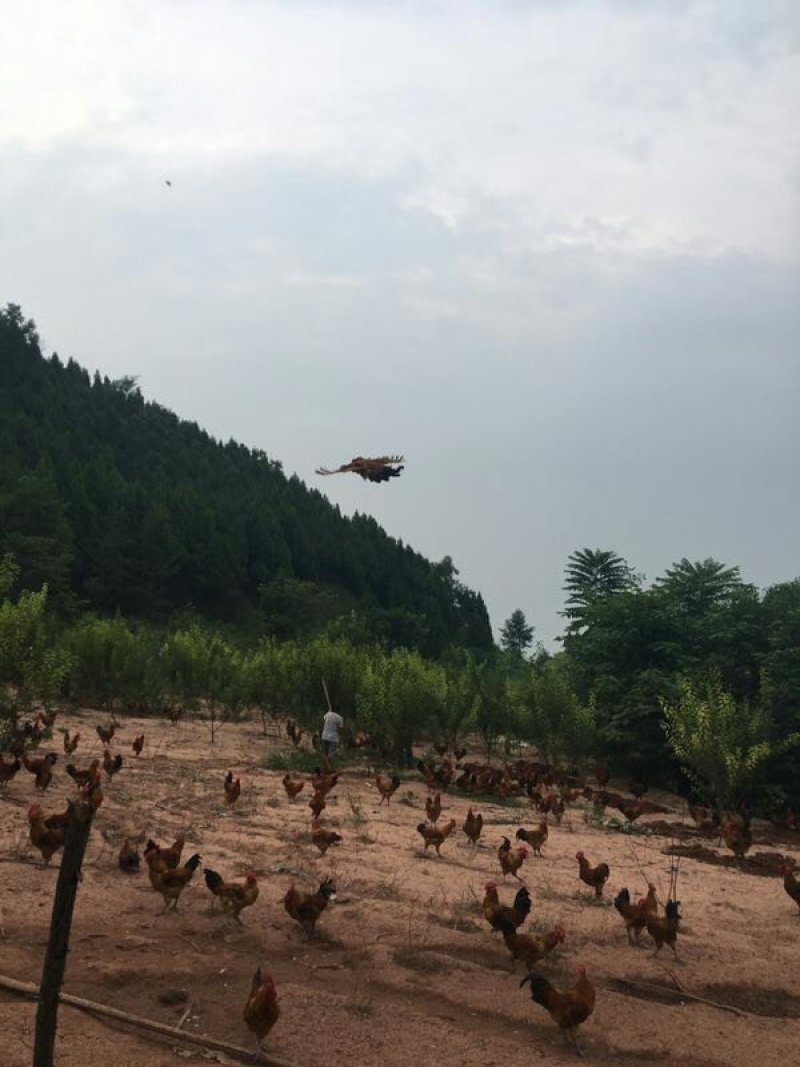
548, 250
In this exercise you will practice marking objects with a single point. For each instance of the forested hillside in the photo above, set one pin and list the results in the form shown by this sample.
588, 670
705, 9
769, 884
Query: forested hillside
121, 506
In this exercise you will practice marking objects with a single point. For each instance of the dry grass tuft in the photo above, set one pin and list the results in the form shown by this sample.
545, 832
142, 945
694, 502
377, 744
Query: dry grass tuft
416, 959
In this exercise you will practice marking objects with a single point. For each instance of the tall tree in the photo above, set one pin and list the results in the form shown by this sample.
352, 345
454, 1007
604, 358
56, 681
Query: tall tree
698, 586
591, 574
516, 636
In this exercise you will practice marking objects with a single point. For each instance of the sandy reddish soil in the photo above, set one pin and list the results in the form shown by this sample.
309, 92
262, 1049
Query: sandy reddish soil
405, 970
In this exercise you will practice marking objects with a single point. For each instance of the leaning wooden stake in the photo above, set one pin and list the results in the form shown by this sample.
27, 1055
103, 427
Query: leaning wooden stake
104, 1011
55, 960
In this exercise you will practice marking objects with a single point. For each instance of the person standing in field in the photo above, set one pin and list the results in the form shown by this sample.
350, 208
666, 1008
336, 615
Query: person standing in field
331, 725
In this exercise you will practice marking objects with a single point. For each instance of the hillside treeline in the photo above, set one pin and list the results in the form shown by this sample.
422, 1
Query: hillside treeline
119, 505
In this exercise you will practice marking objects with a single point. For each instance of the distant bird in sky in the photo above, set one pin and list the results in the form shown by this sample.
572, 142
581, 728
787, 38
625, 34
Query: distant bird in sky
168, 182
371, 470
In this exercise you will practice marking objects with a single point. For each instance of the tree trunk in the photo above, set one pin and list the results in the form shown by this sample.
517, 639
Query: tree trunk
55, 960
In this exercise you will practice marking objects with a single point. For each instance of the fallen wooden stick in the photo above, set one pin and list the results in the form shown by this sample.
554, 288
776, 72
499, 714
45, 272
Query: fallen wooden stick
26, 989
676, 981
191, 943
682, 994
322, 966
185, 1016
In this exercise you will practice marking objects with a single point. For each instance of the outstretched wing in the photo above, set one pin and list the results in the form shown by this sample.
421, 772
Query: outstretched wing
345, 467
385, 461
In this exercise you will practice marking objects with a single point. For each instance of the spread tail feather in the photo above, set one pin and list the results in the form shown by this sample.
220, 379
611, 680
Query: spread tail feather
540, 987
522, 901
213, 880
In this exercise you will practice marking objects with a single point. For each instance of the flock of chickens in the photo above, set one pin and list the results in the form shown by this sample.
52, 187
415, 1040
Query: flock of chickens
548, 789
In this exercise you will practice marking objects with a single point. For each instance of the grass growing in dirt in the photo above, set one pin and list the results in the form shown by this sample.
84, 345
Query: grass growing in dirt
357, 816
291, 759
416, 959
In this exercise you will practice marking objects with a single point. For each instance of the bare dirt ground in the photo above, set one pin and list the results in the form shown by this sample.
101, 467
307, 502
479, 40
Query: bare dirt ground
405, 969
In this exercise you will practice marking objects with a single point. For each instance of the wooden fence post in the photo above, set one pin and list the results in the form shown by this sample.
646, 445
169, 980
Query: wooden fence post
55, 959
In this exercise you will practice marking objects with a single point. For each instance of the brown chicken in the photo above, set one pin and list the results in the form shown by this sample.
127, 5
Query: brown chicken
137, 745
534, 838
92, 793
631, 809
317, 804
323, 838
47, 840
473, 827
233, 788
596, 877
638, 789
649, 904
294, 732
790, 883
47, 718
262, 1010
173, 712
511, 859
557, 809
530, 948
306, 908
168, 882
70, 743
569, 1009
111, 765
633, 915
706, 819
602, 775
737, 836
664, 928
233, 896
83, 776
106, 733
500, 915
292, 787
128, 858
387, 787
42, 768
8, 770
433, 807
172, 855
323, 782
434, 835
59, 820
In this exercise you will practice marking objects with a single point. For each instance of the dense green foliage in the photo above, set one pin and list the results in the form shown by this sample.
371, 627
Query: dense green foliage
31, 668
699, 625
118, 505
723, 746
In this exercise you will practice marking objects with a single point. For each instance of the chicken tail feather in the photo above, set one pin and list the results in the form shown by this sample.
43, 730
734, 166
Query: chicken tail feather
213, 880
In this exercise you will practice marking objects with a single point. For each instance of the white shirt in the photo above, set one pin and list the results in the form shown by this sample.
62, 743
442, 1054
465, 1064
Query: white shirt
330, 726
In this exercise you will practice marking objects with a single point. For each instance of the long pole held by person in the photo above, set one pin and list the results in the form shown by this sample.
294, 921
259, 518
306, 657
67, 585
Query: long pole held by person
327, 694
